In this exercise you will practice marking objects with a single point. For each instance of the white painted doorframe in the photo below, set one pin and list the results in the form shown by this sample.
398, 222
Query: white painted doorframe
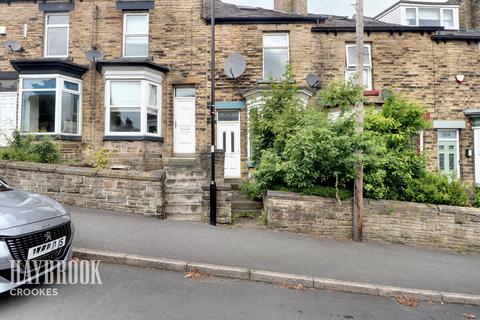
228, 139
184, 125
8, 115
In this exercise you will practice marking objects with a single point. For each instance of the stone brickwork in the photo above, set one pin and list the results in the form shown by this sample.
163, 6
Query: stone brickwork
292, 6
131, 191
437, 226
469, 14
410, 63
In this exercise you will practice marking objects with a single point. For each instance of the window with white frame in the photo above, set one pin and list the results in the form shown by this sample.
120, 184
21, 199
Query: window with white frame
135, 35
275, 55
56, 35
133, 107
432, 16
351, 64
50, 104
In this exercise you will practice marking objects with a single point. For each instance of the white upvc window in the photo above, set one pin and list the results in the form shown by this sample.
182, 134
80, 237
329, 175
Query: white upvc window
50, 104
135, 34
133, 107
276, 55
351, 64
431, 16
56, 35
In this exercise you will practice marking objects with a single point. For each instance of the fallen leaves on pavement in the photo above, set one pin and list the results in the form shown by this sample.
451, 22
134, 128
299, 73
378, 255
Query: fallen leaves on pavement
196, 275
293, 286
469, 316
407, 301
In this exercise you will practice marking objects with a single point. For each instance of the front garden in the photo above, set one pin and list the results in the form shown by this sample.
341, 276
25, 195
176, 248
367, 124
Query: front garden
311, 150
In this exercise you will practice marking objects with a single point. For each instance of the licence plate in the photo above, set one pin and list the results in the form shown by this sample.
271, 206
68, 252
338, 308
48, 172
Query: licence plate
45, 248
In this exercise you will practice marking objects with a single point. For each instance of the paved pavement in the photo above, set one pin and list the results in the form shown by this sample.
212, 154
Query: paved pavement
146, 294
371, 262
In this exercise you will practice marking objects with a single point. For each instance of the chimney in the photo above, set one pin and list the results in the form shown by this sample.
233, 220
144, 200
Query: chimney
292, 6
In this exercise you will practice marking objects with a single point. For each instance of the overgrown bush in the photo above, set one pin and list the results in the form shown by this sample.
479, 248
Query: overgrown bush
300, 148
30, 148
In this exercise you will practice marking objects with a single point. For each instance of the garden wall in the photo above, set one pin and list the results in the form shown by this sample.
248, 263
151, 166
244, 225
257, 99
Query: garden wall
132, 191
437, 226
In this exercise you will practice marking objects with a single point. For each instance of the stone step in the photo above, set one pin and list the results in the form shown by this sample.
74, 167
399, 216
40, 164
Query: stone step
180, 183
185, 217
179, 208
179, 198
246, 205
184, 190
251, 212
186, 174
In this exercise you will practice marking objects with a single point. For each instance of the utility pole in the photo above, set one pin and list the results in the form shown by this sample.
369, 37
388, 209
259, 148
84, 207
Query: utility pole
213, 184
358, 188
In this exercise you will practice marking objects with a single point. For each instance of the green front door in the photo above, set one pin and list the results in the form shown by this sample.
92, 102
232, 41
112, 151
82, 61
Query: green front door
447, 157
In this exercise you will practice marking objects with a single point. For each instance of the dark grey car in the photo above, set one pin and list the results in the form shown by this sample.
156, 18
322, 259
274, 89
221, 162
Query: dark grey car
32, 227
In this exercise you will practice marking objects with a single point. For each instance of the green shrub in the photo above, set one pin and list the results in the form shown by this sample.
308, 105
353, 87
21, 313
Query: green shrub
301, 149
437, 188
29, 148
99, 159
476, 198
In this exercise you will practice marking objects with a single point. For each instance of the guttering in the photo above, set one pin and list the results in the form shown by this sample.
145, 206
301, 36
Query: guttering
267, 20
369, 29
453, 37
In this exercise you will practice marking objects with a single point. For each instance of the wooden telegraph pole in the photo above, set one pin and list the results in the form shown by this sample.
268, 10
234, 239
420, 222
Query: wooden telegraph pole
358, 188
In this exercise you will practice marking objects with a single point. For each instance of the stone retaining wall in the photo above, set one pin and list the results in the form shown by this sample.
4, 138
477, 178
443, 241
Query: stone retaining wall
437, 226
132, 191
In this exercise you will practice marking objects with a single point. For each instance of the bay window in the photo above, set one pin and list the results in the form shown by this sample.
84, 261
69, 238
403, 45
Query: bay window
133, 108
351, 63
50, 104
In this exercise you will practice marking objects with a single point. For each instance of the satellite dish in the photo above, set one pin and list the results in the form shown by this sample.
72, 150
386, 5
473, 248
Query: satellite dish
386, 94
13, 45
94, 55
235, 65
313, 80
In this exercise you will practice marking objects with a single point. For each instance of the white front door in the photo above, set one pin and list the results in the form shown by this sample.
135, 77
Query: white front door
184, 120
8, 114
228, 139
476, 150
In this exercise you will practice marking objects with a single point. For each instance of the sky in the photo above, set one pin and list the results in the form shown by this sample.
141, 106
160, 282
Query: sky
337, 7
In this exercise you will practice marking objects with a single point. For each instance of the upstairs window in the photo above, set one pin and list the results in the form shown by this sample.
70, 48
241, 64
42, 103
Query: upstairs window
135, 35
351, 64
56, 35
432, 17
275, 55
50, 104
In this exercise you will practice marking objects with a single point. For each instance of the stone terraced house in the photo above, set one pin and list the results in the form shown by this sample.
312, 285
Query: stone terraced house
147, 96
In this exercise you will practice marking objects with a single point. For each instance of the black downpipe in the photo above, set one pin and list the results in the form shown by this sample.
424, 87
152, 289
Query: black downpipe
213, 184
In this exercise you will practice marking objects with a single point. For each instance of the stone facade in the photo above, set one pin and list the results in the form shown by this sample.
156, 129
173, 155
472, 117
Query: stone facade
469, 14
408, 62
132, 191
292, 6
437, 226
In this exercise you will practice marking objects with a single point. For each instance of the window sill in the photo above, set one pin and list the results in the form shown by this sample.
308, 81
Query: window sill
133, 138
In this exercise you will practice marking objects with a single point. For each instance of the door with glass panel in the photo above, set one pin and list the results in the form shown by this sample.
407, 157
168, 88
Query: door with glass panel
8, 114
228, 139
184, 120
448, 161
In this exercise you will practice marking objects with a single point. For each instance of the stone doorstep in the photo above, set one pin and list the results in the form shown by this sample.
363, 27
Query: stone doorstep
278, 278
